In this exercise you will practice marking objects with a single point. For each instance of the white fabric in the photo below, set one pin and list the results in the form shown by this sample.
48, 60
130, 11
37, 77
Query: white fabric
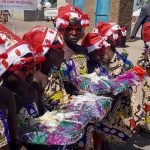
97, 45
50, 37
14, 59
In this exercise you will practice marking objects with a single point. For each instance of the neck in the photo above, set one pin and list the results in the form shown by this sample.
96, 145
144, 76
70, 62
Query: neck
70, 45
45, 67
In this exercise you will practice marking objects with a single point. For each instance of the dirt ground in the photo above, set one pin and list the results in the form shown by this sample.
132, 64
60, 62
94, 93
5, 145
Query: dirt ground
133, 48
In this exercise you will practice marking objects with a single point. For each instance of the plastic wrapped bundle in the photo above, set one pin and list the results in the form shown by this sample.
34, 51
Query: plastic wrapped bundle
64, 127
93, 84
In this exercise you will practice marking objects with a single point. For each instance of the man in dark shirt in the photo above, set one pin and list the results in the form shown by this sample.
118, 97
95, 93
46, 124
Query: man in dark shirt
143, 18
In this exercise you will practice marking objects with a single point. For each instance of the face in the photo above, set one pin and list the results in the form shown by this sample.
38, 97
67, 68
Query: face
26, 73
73, 33
105, 55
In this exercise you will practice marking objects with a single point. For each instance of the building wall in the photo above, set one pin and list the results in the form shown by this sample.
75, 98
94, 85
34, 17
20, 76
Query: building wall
114, 10
121, 12
90, 10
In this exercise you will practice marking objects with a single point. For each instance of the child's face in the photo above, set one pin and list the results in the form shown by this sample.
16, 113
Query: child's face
26, 73
73, 33
106, 55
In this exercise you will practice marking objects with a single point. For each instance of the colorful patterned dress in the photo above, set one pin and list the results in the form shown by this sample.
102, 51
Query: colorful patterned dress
118, 126
4, 133
55, 96
145, 122
74, 67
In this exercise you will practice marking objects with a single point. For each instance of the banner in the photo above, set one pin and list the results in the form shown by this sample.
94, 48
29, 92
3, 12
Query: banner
18, 4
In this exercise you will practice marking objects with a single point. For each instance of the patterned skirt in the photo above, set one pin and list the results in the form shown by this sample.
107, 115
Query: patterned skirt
146, 104
119, 124
4, 133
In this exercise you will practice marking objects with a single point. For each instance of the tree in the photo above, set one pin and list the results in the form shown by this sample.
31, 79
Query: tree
142, 2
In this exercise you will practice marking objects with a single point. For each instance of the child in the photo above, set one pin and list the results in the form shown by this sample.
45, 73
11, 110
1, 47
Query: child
49, 44
118, 125
16, 69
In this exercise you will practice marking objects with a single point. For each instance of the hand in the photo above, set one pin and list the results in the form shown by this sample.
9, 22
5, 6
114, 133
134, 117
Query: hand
23, 148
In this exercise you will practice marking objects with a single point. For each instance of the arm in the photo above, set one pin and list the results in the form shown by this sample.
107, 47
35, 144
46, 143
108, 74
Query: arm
139, 22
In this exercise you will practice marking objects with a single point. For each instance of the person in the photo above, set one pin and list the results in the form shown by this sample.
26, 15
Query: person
49, 44
17, 69
55, 95
107, 61
143, 18
115, 34
144, 61
71, 23
120, 122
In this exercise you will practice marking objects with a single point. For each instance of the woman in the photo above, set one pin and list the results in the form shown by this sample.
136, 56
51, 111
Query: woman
55, 96
49, 44
104, 57
71, 23
117, 127
17, 69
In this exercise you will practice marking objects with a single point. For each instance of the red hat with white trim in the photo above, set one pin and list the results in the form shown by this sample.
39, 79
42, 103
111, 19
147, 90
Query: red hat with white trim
146, 34
42, 39
67, 13
110, 29
12, 50
93, 41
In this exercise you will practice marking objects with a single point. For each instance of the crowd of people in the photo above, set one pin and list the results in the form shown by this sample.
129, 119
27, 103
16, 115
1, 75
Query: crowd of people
58, 94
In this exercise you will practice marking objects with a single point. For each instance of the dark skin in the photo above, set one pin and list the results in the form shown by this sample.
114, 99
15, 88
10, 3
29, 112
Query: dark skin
72, 37
20, 83
23, 94
7, 103
100, 56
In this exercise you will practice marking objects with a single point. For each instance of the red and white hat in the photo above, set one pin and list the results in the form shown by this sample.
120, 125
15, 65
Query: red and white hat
110, 29
146, 34
42, 38
93, 41
12, 50
67, 13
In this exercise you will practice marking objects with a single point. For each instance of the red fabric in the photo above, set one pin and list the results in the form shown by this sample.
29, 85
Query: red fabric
3, 56
147, 32
63, 10
132, 123
11, 35
97, 138
146, 107
103, 28
35, 38
64, 13
90, 39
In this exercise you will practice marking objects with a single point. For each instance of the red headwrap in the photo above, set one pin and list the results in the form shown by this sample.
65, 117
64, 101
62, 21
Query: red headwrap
67, 12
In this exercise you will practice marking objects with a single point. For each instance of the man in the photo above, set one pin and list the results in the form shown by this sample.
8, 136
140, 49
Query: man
143, 18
